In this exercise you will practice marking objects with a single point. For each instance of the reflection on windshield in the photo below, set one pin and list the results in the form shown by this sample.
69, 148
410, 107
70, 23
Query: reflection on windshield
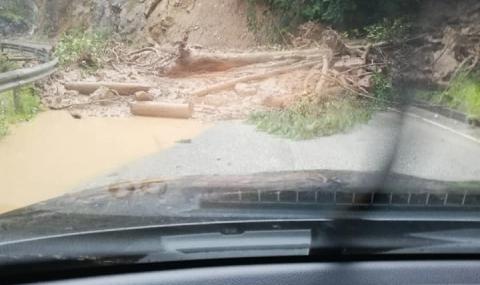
148, 113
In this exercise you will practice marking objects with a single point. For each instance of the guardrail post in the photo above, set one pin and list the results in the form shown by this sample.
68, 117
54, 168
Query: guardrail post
16, 100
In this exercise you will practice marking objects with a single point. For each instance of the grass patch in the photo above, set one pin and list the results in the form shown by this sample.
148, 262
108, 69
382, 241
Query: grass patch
6, 65
82, 48
307, 120
28, 107
463, 94
382, 89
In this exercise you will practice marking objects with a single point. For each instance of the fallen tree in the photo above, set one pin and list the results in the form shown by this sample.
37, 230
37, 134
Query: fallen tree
190, 61
230, 84
350, 67
122, 88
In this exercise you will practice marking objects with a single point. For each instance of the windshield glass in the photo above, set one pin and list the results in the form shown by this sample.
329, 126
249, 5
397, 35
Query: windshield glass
131, 114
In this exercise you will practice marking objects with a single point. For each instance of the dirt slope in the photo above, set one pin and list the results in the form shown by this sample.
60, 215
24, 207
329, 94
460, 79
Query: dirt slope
448, 36
215, 24
211, 23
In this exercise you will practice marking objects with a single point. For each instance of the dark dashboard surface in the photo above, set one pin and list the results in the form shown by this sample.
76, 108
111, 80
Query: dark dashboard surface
387, 272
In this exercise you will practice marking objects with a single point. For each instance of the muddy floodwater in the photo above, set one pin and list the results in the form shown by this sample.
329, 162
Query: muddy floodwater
54, 153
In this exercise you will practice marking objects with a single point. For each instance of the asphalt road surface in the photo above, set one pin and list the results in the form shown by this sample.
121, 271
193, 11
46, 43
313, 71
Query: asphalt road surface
419, 143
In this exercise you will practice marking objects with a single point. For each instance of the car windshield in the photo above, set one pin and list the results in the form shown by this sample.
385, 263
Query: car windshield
126, 120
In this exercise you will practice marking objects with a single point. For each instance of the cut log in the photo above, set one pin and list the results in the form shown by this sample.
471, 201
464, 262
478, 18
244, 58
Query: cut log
230, 84
165, 110
198, 62
88, 88
258, 57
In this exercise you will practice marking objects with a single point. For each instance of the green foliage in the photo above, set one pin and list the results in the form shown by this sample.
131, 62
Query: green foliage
83, 48
463, 94
388, 30
28, 107
6, 65
10, 16
383, 87
305, 120
3, 125
331, 11
346, 14
252, 15
15, 11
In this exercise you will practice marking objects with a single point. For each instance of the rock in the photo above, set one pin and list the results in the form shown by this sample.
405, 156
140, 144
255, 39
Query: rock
277, 101
76, 115
214, 100
71, 93
185, 141
144, 96
243, 89
104, 95
366, 82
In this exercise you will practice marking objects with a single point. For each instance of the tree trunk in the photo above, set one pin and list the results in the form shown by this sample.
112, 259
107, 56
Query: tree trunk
88, 88
165, 110
230, 84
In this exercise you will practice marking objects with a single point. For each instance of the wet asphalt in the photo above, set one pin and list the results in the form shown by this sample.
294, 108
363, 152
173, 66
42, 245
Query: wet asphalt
420, 143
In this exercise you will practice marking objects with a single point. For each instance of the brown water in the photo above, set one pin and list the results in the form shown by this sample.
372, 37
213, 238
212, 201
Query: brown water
54, 153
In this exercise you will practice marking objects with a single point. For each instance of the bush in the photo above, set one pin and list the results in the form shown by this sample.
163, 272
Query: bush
29, 106
305, 120
464, 94
388, 30
382, 87
347, 14
16, 11
83, 48
6, 65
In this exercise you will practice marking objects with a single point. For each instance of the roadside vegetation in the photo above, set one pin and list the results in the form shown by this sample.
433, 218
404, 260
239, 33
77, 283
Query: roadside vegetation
375, 20
24, 109
82, 48
463, 94
6, 65
16, 13
306, 119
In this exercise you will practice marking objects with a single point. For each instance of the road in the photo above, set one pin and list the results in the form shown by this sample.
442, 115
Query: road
420, 143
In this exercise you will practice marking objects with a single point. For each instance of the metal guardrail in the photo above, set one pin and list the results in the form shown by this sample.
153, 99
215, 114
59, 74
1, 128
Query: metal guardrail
19, 77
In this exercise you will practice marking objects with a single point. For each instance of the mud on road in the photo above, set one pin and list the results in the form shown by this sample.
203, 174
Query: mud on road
54, 153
